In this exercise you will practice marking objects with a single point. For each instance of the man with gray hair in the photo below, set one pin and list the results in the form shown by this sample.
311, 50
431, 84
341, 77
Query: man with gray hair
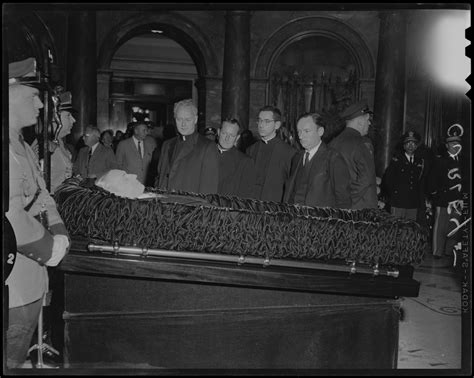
94, 159
188, 161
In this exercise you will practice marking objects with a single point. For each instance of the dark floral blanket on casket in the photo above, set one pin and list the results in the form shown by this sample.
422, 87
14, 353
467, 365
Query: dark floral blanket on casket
244, 227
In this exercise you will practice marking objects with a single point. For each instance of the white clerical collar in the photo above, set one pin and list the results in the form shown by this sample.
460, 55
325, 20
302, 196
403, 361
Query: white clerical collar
222, 150
268, 140
94, 147
313, 151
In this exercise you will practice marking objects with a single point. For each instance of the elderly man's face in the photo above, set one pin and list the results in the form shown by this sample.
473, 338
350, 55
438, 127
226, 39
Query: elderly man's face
121, 183
68, 121
24, 105
185, 120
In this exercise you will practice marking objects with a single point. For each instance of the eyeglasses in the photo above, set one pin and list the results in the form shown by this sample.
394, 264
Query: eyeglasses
265, 121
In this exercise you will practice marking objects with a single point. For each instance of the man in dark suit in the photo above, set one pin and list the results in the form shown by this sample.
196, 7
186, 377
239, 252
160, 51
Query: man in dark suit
188, 162
402, 181
134, 154
236, 171
319, 175
94, 159
445, 184
358, 154
271, 155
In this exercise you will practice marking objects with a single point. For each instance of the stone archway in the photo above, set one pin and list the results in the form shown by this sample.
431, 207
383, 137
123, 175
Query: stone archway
174, 26
315, 26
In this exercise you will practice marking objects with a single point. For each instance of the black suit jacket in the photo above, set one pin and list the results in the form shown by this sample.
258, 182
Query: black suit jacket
329, 180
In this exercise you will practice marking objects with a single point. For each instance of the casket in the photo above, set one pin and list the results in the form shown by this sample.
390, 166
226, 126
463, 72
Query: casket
189, 281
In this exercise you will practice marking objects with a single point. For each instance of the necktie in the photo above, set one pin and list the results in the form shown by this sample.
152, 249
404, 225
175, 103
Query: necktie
90, 155
140, 148
306, 157
411, 159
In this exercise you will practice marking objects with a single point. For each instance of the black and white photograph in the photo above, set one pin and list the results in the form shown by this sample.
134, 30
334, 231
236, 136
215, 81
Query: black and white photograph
236, 189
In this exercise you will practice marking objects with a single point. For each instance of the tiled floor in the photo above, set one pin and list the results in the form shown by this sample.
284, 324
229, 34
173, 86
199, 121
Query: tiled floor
430, 333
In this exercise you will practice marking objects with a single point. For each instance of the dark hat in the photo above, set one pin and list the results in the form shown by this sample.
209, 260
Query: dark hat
65, 102
355, 110
210, 131
23, 72
411, 136
454, 133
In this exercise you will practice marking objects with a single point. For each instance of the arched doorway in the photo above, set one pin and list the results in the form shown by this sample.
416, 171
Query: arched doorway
152, 72
172, 27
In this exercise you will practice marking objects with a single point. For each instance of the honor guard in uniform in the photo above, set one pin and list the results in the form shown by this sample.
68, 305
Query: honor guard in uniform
402, 180
42, 238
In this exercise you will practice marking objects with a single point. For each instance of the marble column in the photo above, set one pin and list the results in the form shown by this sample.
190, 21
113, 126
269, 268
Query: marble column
390, 84
199, 90
103, 100
236, 75
81, 69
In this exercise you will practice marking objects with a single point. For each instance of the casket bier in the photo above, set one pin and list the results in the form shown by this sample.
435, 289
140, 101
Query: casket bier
186, 281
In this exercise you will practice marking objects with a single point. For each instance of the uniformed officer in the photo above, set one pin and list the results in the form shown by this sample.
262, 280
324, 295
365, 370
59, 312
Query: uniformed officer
402, 180
358, 153
42, 238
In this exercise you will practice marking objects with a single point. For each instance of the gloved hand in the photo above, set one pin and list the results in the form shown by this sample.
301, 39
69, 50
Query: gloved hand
61, 243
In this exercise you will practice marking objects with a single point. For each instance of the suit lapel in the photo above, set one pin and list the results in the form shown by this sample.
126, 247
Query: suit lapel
315, 165
291, 184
